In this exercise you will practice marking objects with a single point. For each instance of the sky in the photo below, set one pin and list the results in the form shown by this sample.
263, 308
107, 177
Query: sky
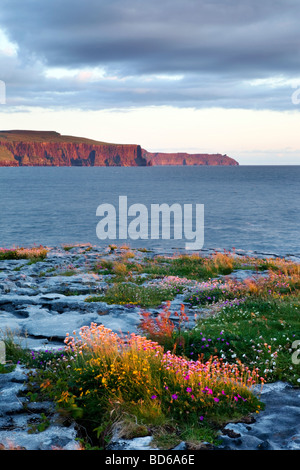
196, 76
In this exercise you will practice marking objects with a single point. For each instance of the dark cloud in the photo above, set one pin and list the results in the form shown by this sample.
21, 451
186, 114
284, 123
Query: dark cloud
216, 46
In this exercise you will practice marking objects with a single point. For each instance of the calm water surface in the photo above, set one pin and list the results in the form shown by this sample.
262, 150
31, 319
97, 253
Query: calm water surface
251, 208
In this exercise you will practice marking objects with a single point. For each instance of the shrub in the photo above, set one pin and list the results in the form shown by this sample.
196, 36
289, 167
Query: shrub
34, 254
103, 377
132, 294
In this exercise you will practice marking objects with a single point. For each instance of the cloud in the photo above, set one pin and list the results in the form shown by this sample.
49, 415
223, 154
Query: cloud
123, 53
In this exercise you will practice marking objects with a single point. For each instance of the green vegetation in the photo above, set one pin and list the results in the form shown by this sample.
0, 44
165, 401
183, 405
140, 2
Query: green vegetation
131, 294
106, 382
33, 254
256, 321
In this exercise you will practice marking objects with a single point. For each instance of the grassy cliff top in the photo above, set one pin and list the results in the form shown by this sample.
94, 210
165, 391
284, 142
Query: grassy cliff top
44, 136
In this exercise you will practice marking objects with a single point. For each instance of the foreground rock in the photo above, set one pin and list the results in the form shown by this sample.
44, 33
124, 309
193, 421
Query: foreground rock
19, 419
41, 302
275, 428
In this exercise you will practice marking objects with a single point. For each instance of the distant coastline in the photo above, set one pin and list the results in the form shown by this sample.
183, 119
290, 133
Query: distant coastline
49, 148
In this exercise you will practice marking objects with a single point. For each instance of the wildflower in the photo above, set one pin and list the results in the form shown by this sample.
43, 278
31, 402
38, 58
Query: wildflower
189, 389
174, 396
216, 399
153, 397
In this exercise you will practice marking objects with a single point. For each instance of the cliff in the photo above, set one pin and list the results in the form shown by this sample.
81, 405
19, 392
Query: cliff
34, 148
187, 159
37, 148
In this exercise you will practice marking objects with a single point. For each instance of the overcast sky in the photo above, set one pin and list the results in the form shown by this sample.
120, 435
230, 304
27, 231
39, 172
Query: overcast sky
171, 75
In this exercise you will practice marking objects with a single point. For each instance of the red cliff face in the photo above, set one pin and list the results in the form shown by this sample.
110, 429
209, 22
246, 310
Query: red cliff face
187, 159
36, 148
29, 148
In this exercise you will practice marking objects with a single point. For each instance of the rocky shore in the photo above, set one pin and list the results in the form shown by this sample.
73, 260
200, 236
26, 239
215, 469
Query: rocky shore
40, 302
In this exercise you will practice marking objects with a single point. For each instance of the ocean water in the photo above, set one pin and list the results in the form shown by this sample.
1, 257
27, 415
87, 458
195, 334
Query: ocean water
249, 208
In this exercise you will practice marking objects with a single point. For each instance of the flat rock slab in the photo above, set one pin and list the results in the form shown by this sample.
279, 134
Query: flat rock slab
16, 420
277, 427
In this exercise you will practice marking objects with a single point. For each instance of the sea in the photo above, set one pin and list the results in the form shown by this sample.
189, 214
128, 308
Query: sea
249, 209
